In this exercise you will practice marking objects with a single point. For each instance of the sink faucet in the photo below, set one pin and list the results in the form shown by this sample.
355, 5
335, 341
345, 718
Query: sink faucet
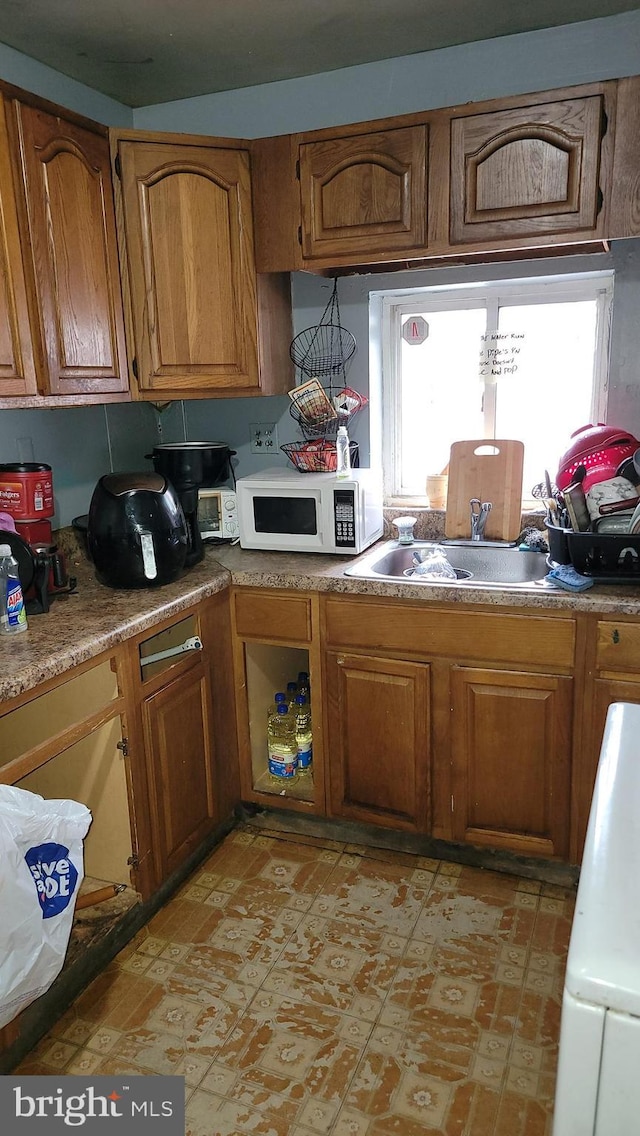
479, 512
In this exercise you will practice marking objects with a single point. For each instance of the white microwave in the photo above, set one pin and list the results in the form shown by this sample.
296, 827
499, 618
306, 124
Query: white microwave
287, 511
218, 514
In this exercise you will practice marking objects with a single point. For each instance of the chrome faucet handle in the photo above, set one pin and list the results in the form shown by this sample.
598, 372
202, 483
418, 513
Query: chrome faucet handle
475, 506
479, 517
484, 513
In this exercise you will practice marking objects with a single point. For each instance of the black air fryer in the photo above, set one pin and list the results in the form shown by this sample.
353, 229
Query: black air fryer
136, 533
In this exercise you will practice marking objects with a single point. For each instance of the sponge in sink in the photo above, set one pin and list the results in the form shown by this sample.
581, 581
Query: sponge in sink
565, 576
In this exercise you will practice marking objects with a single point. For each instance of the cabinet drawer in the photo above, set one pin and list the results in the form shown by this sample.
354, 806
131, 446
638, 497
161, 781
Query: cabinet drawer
279, 616
529, 640
618, 646
166, 641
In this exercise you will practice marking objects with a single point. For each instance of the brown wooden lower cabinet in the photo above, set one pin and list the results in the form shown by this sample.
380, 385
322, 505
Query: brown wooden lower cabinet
601, 695
378, 740
179, 750
511, 758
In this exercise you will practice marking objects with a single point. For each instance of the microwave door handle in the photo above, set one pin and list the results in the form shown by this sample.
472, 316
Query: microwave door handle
328, 535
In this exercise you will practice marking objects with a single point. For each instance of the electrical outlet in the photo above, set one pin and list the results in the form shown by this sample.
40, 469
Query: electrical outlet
263, 437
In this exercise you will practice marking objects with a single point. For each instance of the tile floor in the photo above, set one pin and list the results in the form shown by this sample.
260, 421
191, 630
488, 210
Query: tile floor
309, 987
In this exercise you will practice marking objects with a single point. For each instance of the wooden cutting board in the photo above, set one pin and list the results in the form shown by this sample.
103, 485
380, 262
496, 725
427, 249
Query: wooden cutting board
490, 470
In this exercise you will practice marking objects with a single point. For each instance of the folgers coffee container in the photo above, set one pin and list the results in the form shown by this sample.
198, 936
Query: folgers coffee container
26, 490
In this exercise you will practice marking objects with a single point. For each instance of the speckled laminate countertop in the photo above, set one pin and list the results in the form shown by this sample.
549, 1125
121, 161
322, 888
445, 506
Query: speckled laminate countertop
81, 626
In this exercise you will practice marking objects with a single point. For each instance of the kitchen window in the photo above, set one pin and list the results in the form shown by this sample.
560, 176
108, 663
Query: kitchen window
522, 359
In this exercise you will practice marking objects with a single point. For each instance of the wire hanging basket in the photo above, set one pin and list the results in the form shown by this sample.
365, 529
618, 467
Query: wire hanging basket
319, 415
319, 456
322, 401
323, 351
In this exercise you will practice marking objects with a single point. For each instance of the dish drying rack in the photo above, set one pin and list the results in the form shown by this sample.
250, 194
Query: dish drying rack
323, 401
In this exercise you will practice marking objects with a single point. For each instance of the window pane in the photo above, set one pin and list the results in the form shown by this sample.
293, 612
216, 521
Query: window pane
441, 393
549, 396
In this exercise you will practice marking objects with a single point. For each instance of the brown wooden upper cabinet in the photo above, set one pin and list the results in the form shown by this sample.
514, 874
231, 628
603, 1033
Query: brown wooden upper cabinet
191, 268
70, 257
526, 172
520, 172
364, 194
17, 367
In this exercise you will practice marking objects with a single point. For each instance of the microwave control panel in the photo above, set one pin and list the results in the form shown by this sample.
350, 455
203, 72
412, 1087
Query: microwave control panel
344, 517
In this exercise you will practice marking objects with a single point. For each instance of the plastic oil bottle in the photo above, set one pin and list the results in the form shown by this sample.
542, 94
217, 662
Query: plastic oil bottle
14, 613
278, 697
282, 747
304, 686
304, 736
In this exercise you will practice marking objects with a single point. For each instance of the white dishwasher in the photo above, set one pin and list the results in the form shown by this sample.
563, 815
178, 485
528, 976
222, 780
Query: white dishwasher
598, 1086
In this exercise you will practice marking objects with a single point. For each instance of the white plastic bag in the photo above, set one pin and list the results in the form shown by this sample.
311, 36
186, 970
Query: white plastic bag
41, 869
432, 564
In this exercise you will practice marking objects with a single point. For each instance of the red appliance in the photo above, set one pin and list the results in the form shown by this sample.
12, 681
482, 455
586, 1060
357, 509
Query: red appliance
600, 450
42, 570
35, 532
26, 490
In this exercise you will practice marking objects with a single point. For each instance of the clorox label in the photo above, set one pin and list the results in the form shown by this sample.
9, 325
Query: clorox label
55, 877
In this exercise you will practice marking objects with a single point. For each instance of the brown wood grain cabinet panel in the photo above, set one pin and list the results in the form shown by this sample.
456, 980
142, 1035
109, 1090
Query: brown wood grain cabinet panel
187, 218
179, 745
618, 646
364, 193
17, 366
624, 207
511, 736
277, 616
378, 740
522, 172
75, 275
490, 636
601, 694
216, 635
276, 203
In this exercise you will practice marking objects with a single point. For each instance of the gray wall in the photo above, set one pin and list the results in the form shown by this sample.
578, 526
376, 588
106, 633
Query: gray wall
80, 444
532, 61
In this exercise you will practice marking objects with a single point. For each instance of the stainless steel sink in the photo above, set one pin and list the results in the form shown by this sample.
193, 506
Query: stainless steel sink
497, 565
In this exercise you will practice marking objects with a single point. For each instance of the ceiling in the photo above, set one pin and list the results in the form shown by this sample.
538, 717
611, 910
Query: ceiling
142, 52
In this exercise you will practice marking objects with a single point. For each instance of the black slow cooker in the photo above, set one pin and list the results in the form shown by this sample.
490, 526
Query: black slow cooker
190, 465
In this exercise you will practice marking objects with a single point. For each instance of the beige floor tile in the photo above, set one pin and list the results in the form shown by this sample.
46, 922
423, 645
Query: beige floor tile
378, 895
208, 1115
312, 988
334, 962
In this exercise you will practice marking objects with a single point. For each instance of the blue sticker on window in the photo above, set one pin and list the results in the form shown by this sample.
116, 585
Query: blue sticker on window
55, 877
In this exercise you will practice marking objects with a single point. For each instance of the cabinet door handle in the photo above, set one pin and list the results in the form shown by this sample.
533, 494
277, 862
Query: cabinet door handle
191, 644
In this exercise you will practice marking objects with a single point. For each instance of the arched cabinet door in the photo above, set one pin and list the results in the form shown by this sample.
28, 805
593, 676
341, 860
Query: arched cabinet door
364, 194
187, 216
17, 367
74, 258
527, 172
